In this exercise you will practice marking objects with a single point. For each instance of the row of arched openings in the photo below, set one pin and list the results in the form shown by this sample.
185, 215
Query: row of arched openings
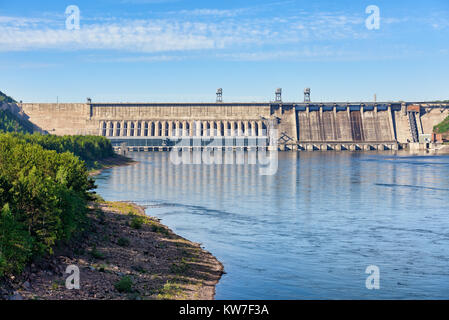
195, 128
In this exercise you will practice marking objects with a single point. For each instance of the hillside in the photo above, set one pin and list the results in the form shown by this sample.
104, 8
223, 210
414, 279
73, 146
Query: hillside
9, 122
5, 98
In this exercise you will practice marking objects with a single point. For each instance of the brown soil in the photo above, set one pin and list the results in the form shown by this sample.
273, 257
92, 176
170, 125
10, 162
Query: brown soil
161, 264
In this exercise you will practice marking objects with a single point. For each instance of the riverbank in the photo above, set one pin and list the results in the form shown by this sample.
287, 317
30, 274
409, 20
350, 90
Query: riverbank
123, 254
107, 163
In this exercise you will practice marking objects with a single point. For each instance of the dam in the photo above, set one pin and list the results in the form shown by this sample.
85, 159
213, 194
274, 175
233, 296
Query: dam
298, 125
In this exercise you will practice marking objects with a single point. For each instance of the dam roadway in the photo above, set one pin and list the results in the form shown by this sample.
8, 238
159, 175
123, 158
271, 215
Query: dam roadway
299, 126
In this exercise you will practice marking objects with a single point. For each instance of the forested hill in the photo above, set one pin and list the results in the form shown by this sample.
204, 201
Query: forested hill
9, 122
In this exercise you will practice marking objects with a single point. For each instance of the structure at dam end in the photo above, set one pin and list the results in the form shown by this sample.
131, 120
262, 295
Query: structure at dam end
299, 125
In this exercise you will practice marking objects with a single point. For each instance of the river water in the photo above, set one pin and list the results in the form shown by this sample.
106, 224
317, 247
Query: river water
311, 230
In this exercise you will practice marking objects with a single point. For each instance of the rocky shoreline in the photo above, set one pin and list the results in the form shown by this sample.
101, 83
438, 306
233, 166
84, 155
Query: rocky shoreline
122, 254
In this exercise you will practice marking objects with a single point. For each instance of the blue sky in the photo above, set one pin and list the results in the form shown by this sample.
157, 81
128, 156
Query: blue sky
174, 50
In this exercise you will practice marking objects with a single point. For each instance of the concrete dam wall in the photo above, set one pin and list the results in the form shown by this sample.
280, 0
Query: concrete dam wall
296, 123
345, 126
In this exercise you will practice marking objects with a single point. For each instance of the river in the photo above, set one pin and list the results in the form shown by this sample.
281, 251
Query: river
311, 230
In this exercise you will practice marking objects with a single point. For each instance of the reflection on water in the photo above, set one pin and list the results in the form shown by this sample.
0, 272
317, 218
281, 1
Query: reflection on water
311, 230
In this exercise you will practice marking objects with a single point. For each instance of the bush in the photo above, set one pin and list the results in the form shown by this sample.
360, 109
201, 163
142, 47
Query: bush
96, 254
123, 242
15, 243
137, 222
44, 198
87, 148
124, 285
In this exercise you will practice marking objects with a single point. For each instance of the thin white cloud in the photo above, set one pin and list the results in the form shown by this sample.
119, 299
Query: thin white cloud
213, 12
184, 33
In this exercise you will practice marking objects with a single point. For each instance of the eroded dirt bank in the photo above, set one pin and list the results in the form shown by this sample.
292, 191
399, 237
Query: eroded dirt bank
123, 254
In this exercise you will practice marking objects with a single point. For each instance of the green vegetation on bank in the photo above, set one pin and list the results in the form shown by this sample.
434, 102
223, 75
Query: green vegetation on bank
88, 148
442, 127
43, 199
44, 190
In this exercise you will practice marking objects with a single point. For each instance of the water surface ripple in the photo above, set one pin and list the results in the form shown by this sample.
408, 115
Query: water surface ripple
310, 231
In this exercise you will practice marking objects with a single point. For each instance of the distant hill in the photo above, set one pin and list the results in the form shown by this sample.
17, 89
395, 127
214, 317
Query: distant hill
10, 122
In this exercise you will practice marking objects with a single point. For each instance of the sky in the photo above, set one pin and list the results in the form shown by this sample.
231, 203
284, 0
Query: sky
182, 51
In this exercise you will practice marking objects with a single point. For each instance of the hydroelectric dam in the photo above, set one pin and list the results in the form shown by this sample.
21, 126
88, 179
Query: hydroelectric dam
298, 125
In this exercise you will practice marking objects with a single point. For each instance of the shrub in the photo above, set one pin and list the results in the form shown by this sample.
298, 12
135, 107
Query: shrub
43, 196
15, 243
136, 222
96, 254
125, 284
123, 242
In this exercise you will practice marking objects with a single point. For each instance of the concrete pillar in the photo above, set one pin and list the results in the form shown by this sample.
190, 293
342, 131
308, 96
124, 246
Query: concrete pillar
212, 130
205, 132
239, 128
390, 120
177, 129
191, 130
184, 132
156, 128
218, 133
196, 128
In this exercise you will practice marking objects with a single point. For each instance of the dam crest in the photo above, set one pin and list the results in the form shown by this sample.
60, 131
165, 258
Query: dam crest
299, 126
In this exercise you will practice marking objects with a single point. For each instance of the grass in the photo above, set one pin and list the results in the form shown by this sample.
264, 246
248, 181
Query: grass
158, 228
123, 207
442, 127
101, 267
170, 291
137, 222
180, 267
124, 285
96, 254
